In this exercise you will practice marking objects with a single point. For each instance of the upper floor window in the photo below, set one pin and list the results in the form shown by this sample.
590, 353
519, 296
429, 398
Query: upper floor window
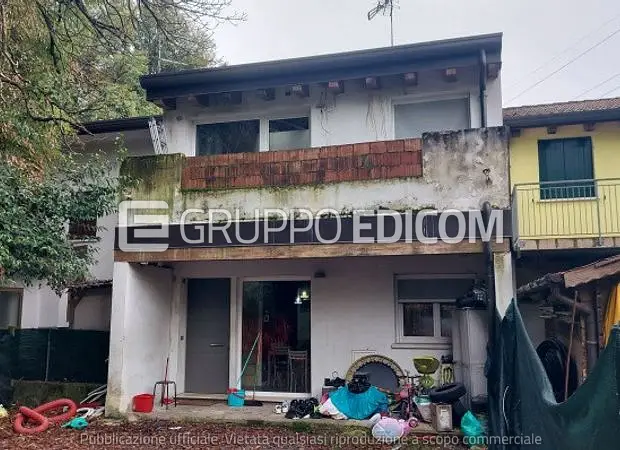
288, 134
228, 137
10, 308
565, 168
413, 119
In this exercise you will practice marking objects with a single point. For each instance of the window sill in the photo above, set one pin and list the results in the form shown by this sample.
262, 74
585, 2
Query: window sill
567, 199
429, 345
83, 241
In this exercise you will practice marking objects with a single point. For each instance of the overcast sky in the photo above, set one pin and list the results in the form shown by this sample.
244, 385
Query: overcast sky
536, 32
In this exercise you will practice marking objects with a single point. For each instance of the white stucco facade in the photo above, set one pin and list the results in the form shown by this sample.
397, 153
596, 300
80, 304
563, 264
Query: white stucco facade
357, 115
353, 308
141, 313
42, 307
353, 313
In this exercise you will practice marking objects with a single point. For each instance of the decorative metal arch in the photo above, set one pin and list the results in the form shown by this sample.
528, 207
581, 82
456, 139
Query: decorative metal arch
357, 365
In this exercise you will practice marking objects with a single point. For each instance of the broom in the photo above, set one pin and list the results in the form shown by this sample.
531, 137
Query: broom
259, 357
251, 402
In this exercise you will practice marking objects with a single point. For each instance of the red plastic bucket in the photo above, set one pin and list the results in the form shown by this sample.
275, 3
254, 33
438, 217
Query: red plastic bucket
143, 403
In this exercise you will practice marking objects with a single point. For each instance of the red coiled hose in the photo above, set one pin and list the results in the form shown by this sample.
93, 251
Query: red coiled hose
32, 416
36, 415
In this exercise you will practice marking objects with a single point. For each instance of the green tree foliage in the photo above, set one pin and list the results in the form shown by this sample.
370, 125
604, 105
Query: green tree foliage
64, 62
34, 244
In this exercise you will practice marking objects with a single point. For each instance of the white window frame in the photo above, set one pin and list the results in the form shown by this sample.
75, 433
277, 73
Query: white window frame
287, 116
263, 119
235, 353
429, 98
435, 341
20, 305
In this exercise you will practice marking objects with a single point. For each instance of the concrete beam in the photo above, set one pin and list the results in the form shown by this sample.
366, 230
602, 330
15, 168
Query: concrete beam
304, 251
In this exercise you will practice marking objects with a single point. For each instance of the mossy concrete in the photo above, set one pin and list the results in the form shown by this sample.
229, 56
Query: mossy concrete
462, 170
155, 178
34, 393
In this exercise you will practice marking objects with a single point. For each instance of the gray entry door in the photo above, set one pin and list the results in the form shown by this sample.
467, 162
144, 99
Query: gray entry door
208, 331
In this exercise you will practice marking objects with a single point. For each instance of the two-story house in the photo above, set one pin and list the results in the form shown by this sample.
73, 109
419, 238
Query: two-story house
332, 144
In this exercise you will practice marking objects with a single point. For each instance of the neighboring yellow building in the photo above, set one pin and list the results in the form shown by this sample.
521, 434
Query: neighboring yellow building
565, 178
565, 174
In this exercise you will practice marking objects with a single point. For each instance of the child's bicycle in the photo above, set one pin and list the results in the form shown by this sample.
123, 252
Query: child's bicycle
404, 399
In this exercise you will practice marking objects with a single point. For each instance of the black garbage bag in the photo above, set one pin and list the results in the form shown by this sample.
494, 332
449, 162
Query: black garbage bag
301, 408
335, 381
359, 383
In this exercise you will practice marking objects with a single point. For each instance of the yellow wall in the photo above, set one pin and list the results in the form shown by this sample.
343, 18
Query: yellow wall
565, 217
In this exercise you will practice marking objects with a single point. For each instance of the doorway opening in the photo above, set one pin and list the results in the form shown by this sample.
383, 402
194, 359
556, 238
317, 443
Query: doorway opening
276, 336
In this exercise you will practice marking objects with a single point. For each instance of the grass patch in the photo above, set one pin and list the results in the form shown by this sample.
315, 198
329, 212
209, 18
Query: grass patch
34, 393
301, 427
255, 423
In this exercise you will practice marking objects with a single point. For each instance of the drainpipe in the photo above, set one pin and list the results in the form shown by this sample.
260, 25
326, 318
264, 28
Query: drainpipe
488, 257
591, 342
483, 88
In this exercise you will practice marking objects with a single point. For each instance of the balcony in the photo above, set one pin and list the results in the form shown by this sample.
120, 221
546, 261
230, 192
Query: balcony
338, 163
567, 214
445, 170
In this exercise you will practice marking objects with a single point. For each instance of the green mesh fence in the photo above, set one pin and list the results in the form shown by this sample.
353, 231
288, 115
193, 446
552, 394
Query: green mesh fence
523, 412
55, 354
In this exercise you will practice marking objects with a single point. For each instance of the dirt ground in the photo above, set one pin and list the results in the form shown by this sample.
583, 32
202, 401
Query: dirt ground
149, 435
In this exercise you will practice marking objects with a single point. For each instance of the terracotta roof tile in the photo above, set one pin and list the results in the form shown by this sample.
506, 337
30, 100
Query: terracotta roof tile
550, 109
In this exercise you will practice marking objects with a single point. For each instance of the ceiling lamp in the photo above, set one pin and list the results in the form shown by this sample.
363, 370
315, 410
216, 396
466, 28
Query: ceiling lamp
303, 295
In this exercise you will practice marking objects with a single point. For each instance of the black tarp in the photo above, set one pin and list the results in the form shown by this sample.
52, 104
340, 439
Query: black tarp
522, 406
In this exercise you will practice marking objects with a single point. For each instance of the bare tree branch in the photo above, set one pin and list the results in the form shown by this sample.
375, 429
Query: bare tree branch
53, 48
67, 61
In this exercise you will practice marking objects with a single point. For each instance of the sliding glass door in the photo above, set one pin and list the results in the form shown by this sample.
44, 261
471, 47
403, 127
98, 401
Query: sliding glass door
275, 353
